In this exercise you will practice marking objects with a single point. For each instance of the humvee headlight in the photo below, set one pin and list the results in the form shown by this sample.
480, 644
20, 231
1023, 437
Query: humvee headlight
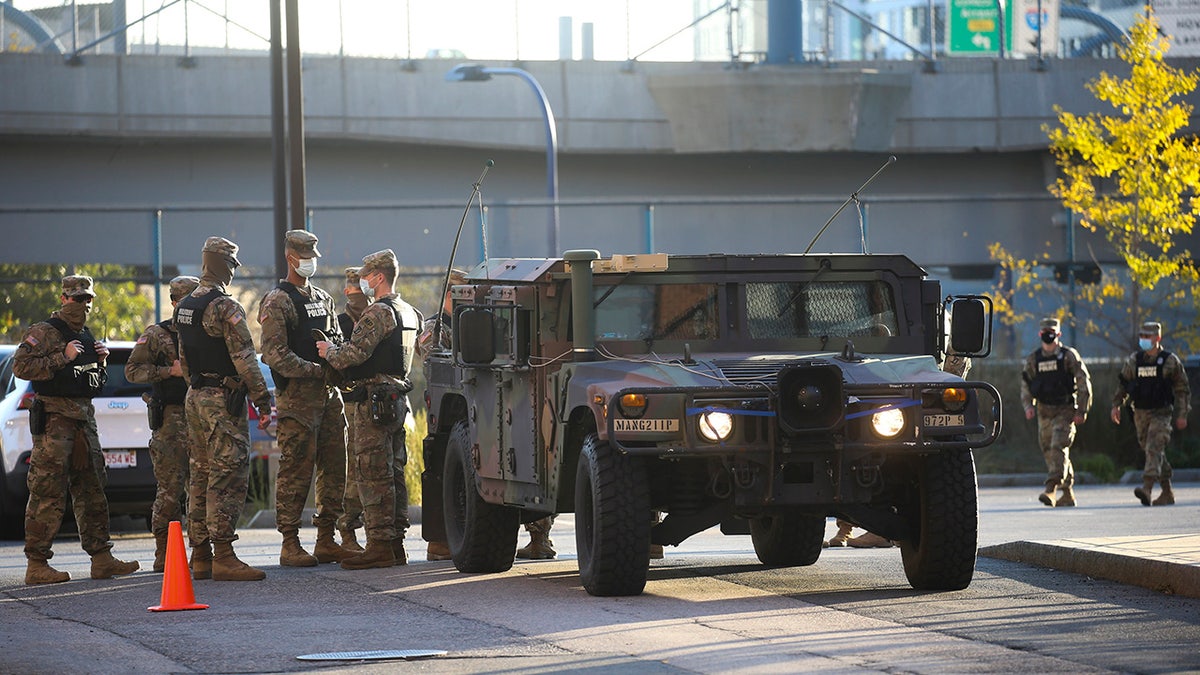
632, 405
888, 423
715, 426
954, 399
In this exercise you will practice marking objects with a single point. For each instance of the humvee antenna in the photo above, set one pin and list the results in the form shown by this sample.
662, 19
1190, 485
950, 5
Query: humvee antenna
852, 198
437, 330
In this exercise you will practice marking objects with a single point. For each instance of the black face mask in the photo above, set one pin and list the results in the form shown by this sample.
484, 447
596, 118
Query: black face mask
1049, 337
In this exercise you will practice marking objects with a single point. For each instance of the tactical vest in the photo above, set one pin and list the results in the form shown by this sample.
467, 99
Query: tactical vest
206, 355
1149, 389
1052, 383
173, 390
393, 355
311, 313
83, 377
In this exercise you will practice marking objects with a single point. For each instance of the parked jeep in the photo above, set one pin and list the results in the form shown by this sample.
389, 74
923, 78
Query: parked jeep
760, 393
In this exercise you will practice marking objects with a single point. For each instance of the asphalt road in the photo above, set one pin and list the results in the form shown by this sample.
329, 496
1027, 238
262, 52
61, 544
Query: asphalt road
709, 607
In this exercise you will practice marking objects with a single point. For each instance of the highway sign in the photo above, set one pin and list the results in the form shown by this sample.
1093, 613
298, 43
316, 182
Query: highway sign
974, 27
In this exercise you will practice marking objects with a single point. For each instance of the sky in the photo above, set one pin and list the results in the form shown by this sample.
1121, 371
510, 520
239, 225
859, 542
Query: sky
480, 29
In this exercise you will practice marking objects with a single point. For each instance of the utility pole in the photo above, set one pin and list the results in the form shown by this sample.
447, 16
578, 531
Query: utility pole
278, 139
295, 95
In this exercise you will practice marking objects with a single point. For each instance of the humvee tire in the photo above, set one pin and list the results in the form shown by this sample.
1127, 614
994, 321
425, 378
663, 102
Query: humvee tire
790, 539
941, 556
612, 520
482, 536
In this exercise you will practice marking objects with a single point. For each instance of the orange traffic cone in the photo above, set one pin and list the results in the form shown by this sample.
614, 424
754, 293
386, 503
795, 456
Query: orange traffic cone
177, 578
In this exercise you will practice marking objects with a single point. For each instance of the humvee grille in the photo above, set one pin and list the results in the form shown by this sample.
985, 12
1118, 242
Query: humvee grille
746, 371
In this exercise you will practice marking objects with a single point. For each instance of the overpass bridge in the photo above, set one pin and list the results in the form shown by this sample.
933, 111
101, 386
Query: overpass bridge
144, 156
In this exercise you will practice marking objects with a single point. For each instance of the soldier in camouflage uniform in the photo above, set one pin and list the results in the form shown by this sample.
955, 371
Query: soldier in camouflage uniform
66, 366
219, 363
155, 361
1055, 377
435, 336
312, 421
379, 354
356, 302
1155, 381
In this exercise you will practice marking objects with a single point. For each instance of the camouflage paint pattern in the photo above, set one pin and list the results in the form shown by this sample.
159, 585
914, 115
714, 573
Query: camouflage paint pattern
379, 458
352, 506
1056, 432
1153, 434
312, 421
149, 362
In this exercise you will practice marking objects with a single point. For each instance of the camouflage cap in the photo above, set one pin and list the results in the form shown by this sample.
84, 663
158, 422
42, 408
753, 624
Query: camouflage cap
1050, 323
457, 276
379, 261
77, 285
182, 286
224, 247
301, 242
1151, 328
352, 277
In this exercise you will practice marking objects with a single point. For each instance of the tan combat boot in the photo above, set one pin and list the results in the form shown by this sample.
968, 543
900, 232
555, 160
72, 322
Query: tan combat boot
378, 553
1067, 498
40, 572
105, 566
539, 548
1167, 497
202, 561
349, 541
1143, 493
438, 550
842, 537
1048, 497
870, 540
401, 558
160, 552
656, 551
292, 554
327, 550
227, 567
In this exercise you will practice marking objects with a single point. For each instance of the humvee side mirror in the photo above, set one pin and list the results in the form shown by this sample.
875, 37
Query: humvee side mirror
970, 325
475, 337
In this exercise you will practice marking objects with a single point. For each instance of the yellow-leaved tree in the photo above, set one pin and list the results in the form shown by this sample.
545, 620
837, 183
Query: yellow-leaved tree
1130, 176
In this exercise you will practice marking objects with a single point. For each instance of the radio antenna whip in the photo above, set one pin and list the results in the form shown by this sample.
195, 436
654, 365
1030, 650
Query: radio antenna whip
437, 330
852, 198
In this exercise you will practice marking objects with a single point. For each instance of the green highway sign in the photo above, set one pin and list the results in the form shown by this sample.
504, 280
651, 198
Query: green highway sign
974, 27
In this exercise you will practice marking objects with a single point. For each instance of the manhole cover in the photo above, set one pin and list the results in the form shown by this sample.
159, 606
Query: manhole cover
374, 655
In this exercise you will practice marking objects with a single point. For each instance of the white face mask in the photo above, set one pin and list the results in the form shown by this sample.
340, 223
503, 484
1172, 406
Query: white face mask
306, 267
366, 288
1145, 344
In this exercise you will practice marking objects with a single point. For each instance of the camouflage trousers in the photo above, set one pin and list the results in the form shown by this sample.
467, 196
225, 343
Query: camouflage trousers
169, 455
352, 507
1056, 432
219, 460
379, 461
49, 467
312, 436
1153, 434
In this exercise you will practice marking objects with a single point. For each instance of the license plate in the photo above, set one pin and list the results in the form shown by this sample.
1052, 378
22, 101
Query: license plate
120, 460
944, 420
621, 424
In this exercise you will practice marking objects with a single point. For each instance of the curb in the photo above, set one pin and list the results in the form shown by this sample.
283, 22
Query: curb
1163, 576
265, 518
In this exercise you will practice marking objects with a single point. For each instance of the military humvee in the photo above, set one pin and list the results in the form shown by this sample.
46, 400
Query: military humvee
760, 393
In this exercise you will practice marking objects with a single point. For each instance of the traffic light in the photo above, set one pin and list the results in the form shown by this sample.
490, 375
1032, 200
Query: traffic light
1085, 272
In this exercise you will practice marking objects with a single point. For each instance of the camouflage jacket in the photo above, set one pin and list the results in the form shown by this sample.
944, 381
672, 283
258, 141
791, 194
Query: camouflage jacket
376, 323
277, 315
425, 339
1074, 365
39, 356
152, 355
226, 319
1173, 372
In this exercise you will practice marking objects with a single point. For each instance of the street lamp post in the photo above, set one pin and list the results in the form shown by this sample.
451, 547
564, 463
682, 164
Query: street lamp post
477, 73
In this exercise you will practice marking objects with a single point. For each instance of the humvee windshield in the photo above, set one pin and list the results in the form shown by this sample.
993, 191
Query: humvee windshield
774, 310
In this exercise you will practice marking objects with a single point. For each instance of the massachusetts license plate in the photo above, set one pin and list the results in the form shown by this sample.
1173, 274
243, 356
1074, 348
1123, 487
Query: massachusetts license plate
944, 420
621, 424
120, 460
